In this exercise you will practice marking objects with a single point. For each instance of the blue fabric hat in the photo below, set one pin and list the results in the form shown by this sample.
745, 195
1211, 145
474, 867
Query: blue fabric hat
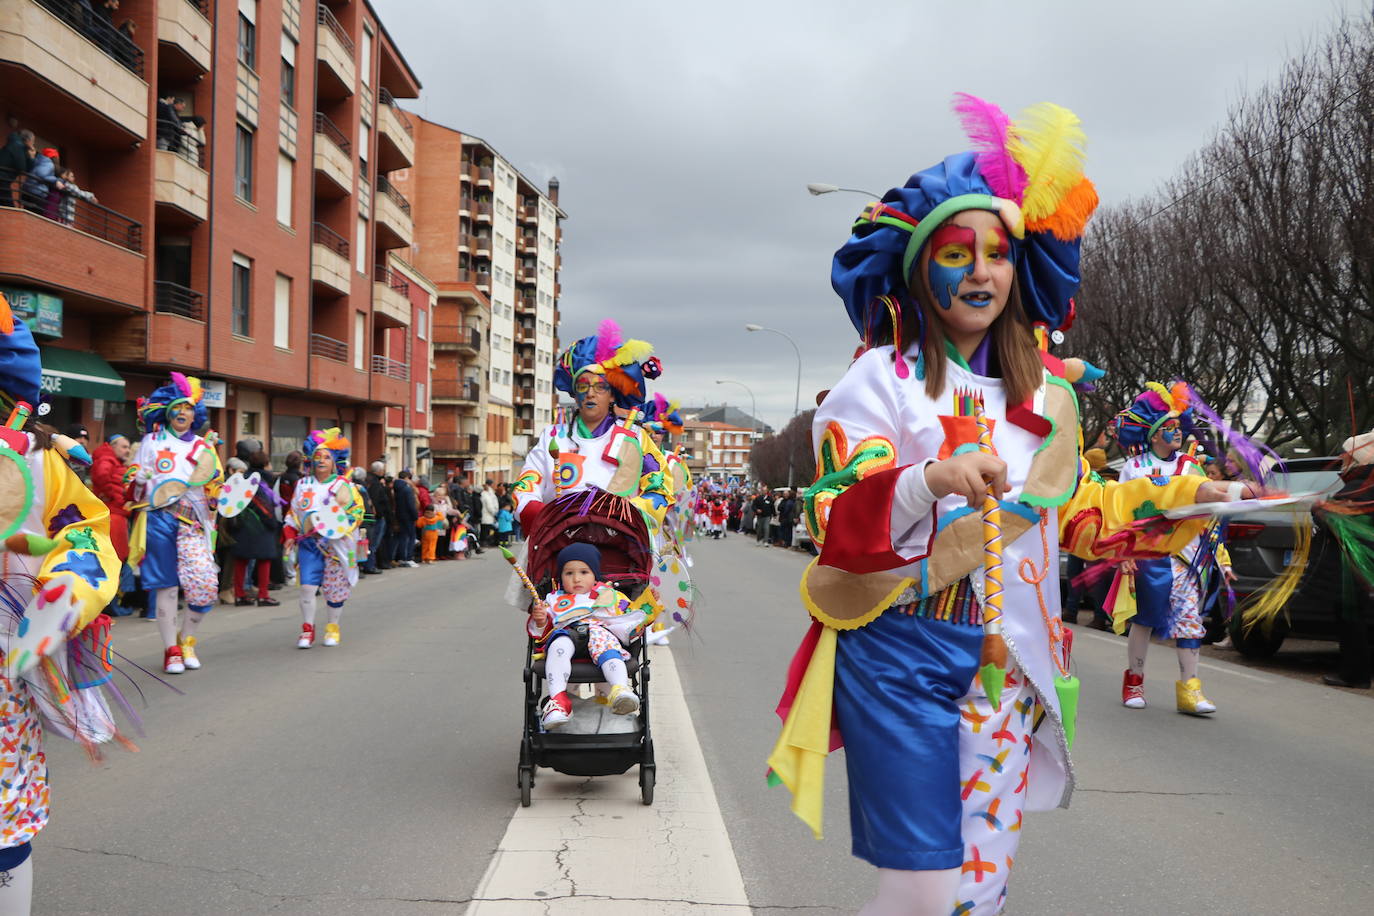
153, 409
584, 552
1137, 424
624, 364
21, 372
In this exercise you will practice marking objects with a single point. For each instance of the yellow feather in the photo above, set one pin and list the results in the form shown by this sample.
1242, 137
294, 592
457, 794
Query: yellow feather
631, 351
1047, 141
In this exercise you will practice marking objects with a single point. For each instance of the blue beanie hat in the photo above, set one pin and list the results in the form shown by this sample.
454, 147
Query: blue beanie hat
584, 552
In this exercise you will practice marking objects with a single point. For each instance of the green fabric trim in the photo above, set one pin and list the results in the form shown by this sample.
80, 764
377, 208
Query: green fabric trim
1054, 502
935, 217
953, 353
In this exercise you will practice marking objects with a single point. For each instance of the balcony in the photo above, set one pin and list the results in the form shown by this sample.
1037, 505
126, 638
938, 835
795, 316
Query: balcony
331, 371
174, 299
184, 37
392, 216
484, 176
336, 72
481, 246
390, 381
446, 444
483, 211
395, 135
329, 265
524, 335
462, 392
525, 274
527, 243
52, 44
98, 255
457, 337
529, 214
465, 171
523, 426
182, 182
390, 298
333, 160
525, 304
524, 365
523, 395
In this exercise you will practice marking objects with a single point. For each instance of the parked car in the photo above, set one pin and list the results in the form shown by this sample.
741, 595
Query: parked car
1261, 546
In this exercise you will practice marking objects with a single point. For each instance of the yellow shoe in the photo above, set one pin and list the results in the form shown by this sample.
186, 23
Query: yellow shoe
331, 634
623, 700
188, 652
1191, 702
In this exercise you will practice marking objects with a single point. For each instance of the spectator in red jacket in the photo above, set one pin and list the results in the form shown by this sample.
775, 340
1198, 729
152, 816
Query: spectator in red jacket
108, 465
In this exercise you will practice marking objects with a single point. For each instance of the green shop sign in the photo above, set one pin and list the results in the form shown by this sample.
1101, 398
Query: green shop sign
42, 312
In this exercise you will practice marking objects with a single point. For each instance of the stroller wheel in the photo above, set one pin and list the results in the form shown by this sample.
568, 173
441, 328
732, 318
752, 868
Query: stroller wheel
646, 784
527, 783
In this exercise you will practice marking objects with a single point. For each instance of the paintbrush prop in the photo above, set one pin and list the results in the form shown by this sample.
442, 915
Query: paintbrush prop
992, 662
529, 586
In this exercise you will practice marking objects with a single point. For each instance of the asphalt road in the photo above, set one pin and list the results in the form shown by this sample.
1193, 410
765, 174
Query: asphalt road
378, 777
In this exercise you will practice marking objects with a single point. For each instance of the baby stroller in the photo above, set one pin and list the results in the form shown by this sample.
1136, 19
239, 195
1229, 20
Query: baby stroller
614, 743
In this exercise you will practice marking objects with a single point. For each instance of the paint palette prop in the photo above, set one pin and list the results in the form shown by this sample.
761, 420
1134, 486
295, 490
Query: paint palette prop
1243, 506
329, 521
671, 581
16, 491
167, 492
49, 619
237, 493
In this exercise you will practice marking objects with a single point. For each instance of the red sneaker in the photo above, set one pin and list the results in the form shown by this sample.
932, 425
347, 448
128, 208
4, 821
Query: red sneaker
557, 711
1133, 690
307, 636
172, 661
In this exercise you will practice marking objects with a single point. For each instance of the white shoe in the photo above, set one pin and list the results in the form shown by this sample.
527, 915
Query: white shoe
623, 701
659, 637
307, 637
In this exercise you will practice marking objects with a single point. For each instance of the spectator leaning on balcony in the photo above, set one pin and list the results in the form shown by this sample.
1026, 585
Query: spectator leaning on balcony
16, 158
169, 127
41, 183
70, 193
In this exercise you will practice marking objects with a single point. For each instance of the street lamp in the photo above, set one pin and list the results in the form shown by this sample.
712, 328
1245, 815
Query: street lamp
817, 189
796, 399
753, 408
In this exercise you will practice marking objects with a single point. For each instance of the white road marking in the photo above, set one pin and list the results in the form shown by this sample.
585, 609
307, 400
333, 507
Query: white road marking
1211, 666
590, 846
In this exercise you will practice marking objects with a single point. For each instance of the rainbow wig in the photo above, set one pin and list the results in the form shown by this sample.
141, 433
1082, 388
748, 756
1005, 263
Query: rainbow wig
331, 440
1029, 172
1137, 424
625, 365
182, 389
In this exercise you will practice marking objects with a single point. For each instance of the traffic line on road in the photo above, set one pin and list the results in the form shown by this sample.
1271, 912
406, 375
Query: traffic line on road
1211, 666
591, 846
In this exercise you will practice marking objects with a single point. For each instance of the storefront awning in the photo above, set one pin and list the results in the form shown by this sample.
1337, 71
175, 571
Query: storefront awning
74, 374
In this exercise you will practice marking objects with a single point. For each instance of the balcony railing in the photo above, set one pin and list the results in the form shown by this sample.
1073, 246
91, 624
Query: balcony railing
202, 5
485, 173
84, 215
174, 299
454, 442
172, 137
459, 389
391, 368
458, 334
391, 278
385, 98
321, 234
328, 347
97, 28
329, 129
389, 189
326, 19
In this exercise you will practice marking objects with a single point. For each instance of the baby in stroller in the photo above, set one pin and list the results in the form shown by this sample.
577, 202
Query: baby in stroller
584, 618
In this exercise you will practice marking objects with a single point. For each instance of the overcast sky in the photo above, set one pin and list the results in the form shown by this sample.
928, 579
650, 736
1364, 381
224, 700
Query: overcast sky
684, 136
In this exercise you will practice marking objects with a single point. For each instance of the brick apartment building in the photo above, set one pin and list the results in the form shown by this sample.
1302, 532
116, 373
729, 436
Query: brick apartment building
489, 239
259, 260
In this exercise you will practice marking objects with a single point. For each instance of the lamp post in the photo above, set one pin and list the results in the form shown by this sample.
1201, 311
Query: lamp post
753, 408
816, 189
796, 399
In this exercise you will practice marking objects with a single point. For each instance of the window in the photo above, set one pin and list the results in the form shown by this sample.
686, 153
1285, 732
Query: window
421, 330
364, 144
248, 25
288, 70
359, 333
249, 423
281, 318
243, 164
360, 246
365, 57
420, 397
242, 297
286, 172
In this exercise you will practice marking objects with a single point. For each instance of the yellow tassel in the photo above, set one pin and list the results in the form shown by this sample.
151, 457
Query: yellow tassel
1047, 141
1265, 605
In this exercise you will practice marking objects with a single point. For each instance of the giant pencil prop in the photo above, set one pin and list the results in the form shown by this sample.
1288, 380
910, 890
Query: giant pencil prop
992, 663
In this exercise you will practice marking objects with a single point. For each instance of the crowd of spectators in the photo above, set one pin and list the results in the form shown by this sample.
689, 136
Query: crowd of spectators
36, 179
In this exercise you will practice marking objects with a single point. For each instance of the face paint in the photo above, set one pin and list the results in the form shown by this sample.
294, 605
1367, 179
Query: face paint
182, 415
951, 261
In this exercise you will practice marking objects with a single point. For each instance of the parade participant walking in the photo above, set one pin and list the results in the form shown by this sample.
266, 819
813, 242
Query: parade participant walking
947, 475
178, 476
256, 531
322, 526
57, 570
1168, 591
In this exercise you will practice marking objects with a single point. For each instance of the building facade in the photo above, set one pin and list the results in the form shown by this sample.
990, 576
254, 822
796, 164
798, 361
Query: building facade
239, 154
489, 239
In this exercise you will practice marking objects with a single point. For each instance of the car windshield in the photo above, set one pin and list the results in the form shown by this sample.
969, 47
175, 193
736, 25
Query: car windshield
1297, 482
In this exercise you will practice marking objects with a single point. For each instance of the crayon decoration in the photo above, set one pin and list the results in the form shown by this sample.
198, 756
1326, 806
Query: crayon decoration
992, 662
529, 586
30, 544
12, 433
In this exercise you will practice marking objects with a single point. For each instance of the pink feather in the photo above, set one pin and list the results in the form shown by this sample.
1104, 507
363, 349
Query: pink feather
607, 339
182, 384
987, 126
660, 404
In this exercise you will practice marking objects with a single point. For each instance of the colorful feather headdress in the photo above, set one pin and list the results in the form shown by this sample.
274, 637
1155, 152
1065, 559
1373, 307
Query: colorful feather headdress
331, 439
661, 415
625, 364
1028, 171
182, 389
1137, 424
